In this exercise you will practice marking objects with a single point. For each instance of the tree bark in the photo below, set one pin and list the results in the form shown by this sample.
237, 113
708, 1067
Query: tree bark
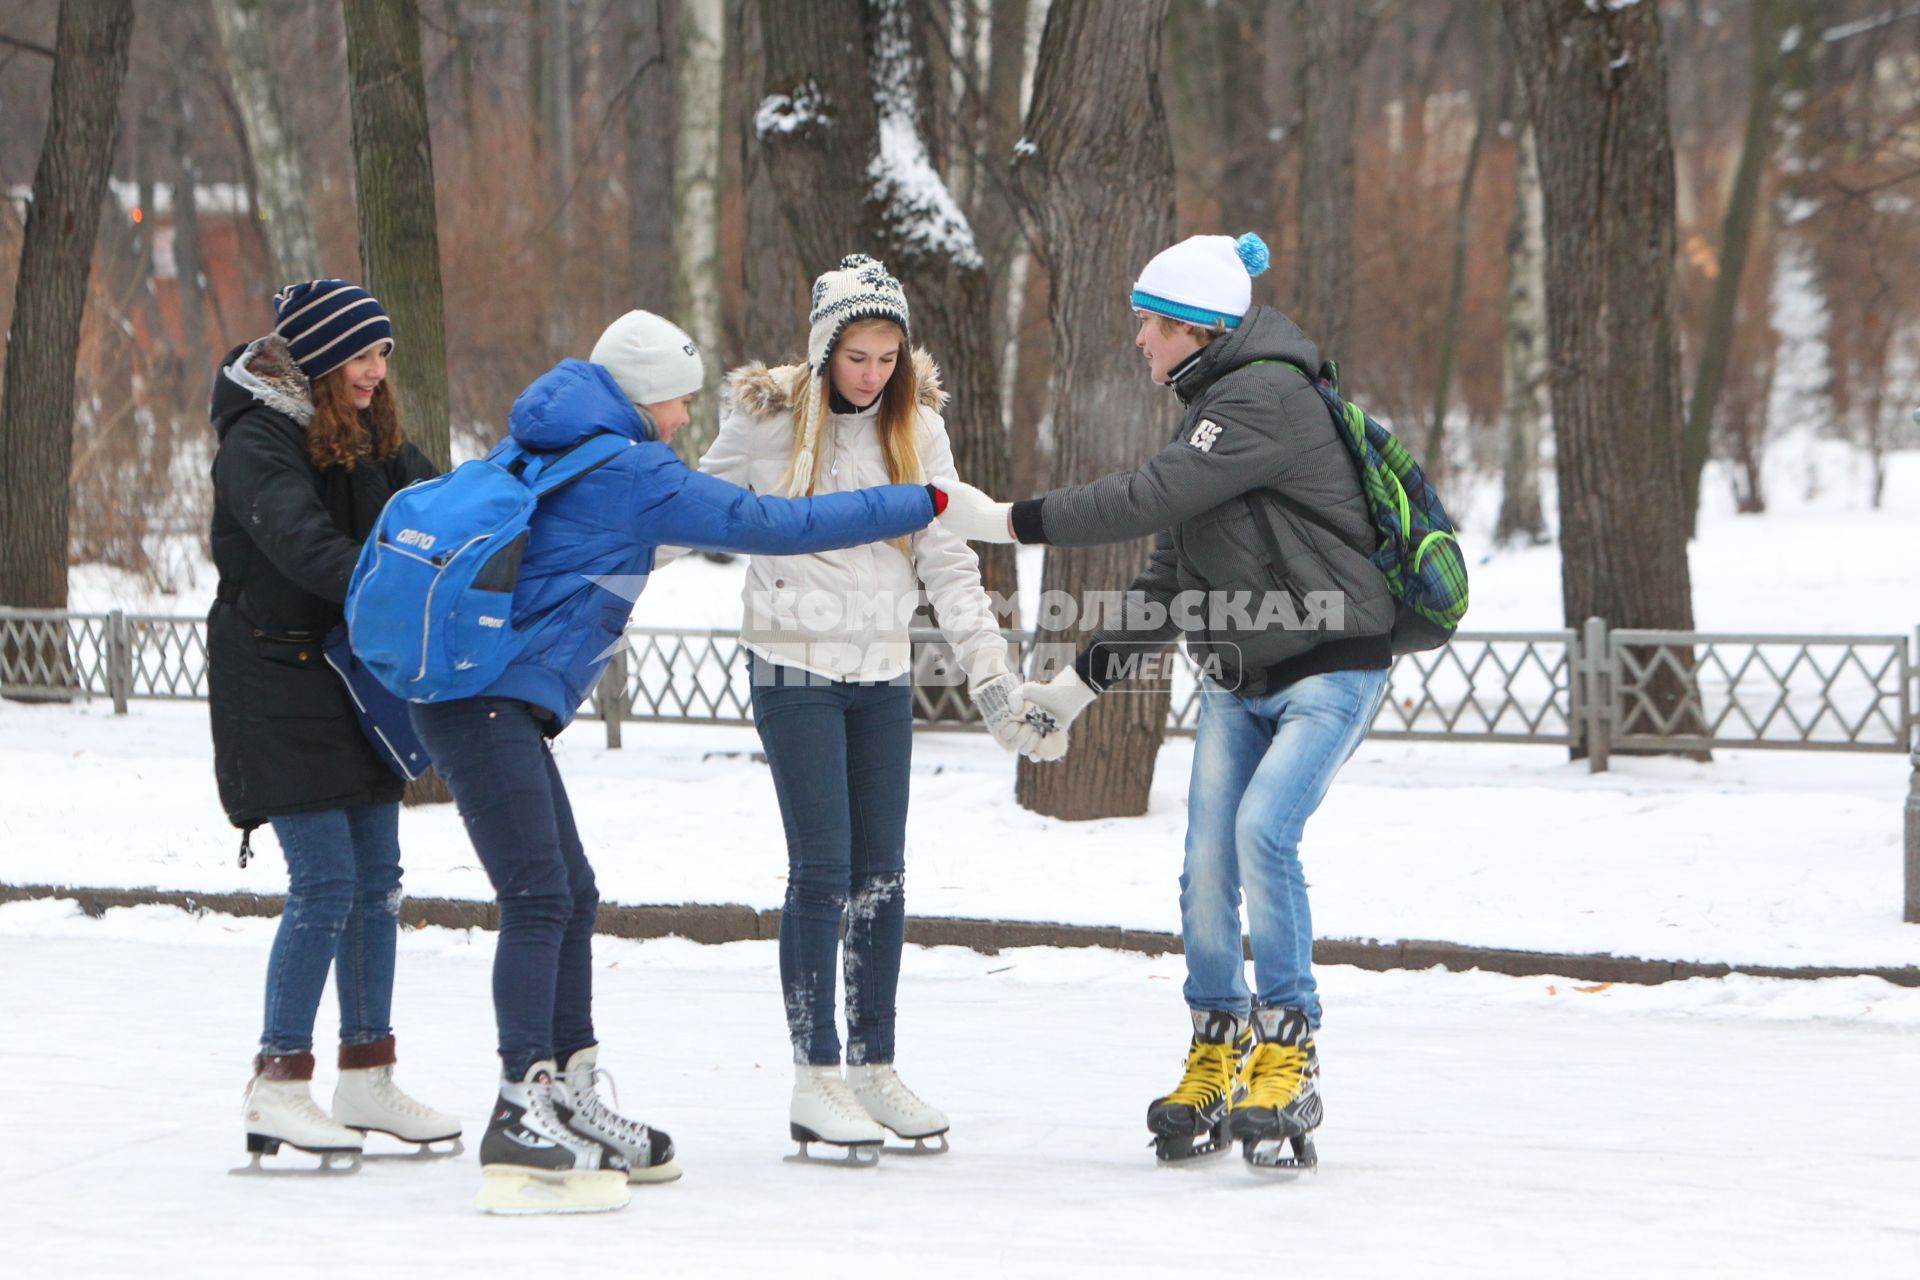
1596, 91
1524, 371
1487, 96
696, 205
282, 190
1098, 179
1736, 236
188, 260
50, 294
650, 134
1334, 39
399, 229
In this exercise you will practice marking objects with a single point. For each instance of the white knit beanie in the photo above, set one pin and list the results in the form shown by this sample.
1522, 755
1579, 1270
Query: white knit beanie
860, 290
1203, 280
652, 359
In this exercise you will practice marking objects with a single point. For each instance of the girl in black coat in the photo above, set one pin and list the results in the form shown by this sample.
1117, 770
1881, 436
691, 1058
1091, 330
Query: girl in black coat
310, 450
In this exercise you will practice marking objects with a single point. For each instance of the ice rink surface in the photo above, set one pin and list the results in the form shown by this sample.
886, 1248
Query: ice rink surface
1477, 1125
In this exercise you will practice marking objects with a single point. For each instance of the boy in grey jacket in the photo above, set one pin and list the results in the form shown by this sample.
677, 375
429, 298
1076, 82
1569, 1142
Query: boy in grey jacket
1261, 560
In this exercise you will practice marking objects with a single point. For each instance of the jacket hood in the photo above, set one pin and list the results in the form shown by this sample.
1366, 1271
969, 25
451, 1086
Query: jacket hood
571, 401
761, 391
260, 373
1265, 334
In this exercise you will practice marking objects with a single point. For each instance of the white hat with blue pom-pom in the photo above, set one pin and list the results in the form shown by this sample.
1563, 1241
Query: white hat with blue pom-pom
1203, 280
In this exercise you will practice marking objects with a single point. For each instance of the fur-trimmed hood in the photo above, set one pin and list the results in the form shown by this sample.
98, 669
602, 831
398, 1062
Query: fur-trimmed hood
762, 391
263, 373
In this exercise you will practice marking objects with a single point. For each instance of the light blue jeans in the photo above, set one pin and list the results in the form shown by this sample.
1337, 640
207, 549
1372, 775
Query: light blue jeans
343, 913
1261, 766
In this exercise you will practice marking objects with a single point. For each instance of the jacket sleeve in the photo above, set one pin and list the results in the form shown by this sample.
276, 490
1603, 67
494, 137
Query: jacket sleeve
266, 484
1145, 618
673, 504
950, 571
1240, 441
725, 459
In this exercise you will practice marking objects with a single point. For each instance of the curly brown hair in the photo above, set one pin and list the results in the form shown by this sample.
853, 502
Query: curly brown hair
341, 435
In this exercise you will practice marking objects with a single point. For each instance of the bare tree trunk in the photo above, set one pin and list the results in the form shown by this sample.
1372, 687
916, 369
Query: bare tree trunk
1486, 112
271, 142
399, 231
1736, 235
50, 294
1099, 181
696, 204
772, 274
1334, 39
650, 133
188, 261
1596, 90
1524, 373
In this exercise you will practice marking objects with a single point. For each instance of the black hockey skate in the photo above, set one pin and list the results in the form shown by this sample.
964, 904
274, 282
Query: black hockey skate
532, 1161
1191, 1123
1281, 1107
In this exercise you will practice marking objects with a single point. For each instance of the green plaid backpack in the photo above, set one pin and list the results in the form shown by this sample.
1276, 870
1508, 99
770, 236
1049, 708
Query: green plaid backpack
1419, 553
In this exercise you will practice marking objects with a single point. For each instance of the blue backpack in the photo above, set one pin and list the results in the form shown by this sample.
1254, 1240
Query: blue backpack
430, 605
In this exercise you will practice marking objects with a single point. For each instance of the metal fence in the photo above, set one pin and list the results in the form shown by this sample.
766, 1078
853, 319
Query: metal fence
1597, 689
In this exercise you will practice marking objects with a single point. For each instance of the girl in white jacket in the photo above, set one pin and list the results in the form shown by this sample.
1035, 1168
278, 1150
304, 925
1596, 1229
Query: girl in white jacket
832, 682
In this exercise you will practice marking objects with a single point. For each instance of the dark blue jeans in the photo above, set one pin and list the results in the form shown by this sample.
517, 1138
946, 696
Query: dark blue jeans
840, 753
343, 913
498, 764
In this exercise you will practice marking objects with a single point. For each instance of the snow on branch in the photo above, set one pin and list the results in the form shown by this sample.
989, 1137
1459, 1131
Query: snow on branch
784, 114
920, 212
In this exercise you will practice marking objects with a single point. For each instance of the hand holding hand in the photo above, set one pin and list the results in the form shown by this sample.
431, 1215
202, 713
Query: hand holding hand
998, 700
974, 515
1057, 704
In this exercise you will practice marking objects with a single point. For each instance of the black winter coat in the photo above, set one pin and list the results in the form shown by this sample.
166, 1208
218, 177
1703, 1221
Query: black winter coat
285, 540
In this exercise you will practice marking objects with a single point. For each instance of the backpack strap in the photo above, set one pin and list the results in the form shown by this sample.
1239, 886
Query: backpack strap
550, 473
1330, 374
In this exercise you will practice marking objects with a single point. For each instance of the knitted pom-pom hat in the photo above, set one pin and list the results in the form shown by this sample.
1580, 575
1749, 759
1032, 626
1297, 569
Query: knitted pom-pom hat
1203, 280
859, 289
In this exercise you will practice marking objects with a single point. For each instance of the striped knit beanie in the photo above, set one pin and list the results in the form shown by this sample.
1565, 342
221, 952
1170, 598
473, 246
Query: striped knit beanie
1203, 280
327, 323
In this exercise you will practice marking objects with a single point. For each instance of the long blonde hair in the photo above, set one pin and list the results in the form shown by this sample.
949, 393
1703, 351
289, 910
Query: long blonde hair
898, 421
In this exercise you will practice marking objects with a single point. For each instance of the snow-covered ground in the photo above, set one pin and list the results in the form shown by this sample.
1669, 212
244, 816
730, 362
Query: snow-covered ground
1477, 1125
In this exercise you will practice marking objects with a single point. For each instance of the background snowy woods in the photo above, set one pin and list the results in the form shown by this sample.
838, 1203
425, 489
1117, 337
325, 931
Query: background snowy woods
591, 155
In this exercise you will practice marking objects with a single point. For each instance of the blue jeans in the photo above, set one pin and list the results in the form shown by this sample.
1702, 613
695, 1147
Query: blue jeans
1261, 766
840, 752
343, 912
498, 764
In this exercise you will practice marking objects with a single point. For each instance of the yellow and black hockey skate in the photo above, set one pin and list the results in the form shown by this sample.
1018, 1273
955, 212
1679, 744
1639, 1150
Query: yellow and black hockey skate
1191, 1122
1280, 1082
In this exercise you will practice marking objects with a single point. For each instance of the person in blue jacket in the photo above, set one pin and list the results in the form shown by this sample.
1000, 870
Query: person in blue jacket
552, 1143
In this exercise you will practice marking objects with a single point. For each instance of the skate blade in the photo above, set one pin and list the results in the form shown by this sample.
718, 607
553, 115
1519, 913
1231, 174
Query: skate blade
668, 1172
1267, 1157
921, 1145
516, 1190
1172, 1153
347, 1162
858, 1155
429, 1149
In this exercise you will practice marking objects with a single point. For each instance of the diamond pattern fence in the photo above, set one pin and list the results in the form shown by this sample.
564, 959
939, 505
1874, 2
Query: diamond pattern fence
1595, 688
